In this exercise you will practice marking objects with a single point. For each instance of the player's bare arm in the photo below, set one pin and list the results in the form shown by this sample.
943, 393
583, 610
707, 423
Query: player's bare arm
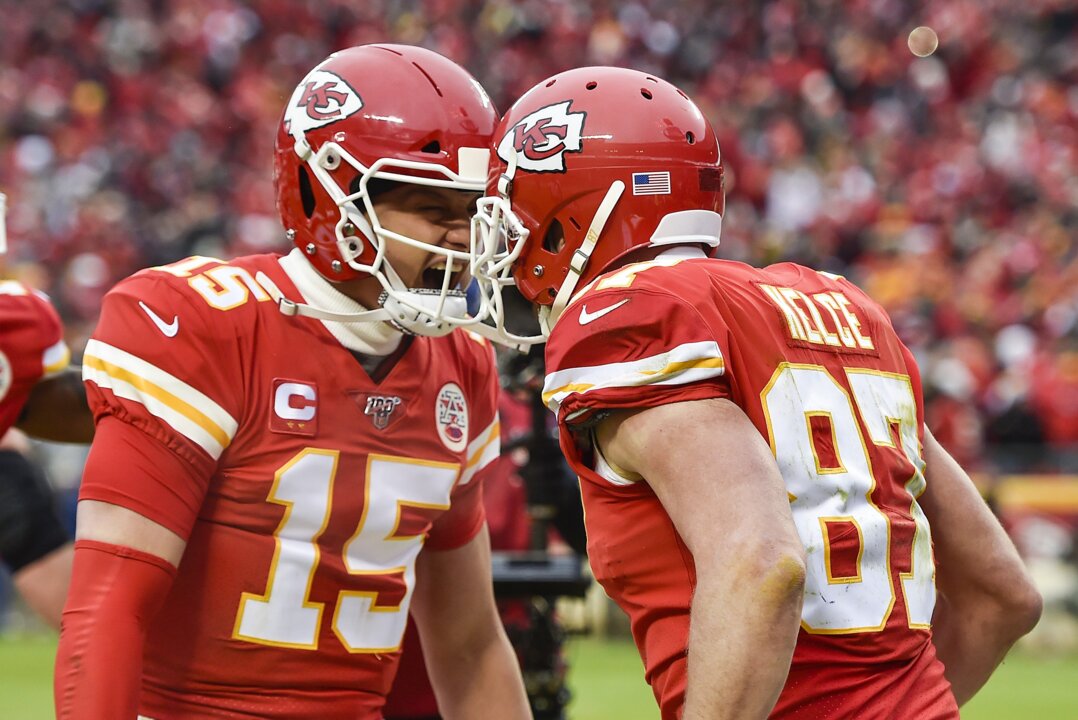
43, 583
986, 599
108, 523
59, 397
472, 666
718, 481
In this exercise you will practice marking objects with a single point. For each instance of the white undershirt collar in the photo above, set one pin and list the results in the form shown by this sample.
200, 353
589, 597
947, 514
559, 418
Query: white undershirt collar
369, 338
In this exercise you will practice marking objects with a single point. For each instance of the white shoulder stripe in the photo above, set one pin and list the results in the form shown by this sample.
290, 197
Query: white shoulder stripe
681, 365
56, 358
185, 409
483, 450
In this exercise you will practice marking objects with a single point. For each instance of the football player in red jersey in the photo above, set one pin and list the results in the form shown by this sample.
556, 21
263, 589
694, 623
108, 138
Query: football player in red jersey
278, 438
41, 394
754, 464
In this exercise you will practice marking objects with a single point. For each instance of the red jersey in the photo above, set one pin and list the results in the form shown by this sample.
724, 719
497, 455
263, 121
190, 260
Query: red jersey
311, 488
505, 504
817, 367
32, 347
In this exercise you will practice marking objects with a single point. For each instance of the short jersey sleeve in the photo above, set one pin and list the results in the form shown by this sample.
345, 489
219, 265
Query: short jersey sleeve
161, 365
32, 347
650, 347
466, 516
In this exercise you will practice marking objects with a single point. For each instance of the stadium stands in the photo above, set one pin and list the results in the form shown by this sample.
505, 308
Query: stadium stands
134, 132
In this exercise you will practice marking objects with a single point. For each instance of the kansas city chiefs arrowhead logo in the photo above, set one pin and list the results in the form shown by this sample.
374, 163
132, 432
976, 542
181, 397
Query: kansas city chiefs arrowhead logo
542, 138
321, 98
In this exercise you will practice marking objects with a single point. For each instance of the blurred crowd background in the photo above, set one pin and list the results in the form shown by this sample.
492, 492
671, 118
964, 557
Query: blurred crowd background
944, 182
136, 132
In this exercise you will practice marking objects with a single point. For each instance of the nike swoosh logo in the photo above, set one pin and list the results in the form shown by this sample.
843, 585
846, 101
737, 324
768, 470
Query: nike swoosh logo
587, 317
169, 329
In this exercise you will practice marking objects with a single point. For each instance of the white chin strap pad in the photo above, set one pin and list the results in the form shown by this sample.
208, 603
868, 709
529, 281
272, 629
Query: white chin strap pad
416, 312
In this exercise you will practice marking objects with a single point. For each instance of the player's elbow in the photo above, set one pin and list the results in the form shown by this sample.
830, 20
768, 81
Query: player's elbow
787, 575
1020, 610
1008, 610
774, 568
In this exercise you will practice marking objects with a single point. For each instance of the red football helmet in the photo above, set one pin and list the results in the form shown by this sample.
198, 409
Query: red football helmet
588, 166
379, 113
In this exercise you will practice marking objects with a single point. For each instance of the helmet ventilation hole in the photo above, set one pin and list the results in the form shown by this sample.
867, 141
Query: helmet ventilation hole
690, 138
574, 223
550, 83
592, 85
433, 147
554, 240
306, 192
646, 93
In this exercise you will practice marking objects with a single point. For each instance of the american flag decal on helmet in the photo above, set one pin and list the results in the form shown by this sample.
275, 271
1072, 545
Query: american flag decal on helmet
651, 183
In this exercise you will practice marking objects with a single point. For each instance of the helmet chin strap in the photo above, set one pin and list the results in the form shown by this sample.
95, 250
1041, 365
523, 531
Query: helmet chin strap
385, 314
293, 308
416, 311
548, 315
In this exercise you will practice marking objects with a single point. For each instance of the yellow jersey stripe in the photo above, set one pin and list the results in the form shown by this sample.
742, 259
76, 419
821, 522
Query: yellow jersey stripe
687, 363
181, 406
177, 404
680, 367
482, 451
56, 358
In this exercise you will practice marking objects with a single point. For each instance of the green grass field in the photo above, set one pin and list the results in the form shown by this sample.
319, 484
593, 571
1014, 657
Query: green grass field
607, 682
607, 679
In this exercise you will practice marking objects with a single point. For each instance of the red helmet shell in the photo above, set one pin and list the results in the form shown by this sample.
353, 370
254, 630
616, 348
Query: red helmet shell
577, 133
374, 101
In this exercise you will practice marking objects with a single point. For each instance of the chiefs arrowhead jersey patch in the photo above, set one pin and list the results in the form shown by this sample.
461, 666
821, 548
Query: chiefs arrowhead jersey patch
451, 417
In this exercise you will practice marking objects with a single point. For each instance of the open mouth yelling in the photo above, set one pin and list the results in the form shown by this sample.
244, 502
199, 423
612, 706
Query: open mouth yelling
433, 278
